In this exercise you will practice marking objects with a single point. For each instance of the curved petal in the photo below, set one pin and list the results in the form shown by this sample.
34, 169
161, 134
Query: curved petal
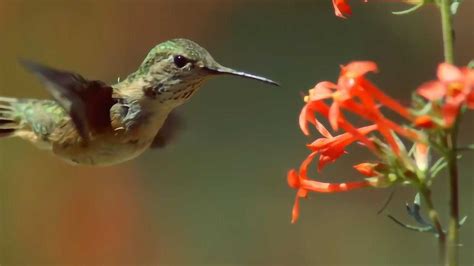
358, 68
305, 164
293, 179
432, 90
307, 114
305, 117
322, 90
295, 212
334, 114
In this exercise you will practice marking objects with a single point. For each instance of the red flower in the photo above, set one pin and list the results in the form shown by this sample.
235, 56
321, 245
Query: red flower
454, 87
341, 8
299, 180
367, 169
330, 149
356, 94
424, 121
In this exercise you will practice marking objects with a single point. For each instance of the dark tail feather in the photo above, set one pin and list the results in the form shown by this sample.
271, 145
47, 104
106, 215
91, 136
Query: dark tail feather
9, 124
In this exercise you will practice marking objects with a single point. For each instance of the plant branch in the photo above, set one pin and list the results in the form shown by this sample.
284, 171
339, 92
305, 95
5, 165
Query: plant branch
451, 137
434, 217
448, 32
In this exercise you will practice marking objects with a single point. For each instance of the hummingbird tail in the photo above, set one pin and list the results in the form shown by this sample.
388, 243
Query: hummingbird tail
9, 122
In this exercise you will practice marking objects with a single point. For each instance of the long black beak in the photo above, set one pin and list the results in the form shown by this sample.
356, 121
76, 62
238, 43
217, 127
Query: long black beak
221, 70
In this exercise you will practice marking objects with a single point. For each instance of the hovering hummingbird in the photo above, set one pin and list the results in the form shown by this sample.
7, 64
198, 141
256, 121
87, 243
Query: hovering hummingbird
92, 123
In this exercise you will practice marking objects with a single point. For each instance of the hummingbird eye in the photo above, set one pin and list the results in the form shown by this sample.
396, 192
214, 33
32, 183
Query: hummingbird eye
180, 61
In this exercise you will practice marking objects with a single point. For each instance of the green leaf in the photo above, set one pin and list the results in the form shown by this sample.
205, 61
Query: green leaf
439, 165
466, 148
386, 202
426, 229
414, 211
410, 10
462, 221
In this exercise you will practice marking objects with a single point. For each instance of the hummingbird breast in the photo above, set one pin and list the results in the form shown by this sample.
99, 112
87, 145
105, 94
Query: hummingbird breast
133, 130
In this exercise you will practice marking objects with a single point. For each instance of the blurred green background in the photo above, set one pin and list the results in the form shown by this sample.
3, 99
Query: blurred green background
218, 195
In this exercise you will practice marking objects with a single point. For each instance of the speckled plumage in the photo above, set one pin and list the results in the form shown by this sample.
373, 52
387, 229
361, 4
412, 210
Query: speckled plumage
91, 123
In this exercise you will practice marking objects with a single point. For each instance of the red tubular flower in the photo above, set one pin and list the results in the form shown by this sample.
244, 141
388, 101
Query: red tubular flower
367, 169
304, 185
341, 8
422, 153
353, 93
330, 149
308, 115
424, 121
356, 94
455, 87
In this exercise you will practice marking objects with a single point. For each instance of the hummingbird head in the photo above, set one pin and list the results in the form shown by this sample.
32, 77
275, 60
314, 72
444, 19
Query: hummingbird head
175, 69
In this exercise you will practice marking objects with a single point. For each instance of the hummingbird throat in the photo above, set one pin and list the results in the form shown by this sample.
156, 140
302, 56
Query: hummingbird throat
174, 94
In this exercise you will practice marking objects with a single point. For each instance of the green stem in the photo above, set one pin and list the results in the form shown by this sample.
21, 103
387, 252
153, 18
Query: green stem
448, 32
434, 217
451, 137
453, 234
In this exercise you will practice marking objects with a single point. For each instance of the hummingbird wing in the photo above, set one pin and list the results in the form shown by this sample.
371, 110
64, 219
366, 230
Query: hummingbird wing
87, 102
167, 133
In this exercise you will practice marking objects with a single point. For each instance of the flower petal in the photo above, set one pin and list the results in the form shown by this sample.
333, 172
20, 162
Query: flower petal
322, 90
295, 212
450, 113
449, 73
334, 115
329, 156
316, 186
341, 8
384, 99
470, 100
432, 90
421, 155
293, 179
305, 164
424, 121
306, 116
358, 68
367, 169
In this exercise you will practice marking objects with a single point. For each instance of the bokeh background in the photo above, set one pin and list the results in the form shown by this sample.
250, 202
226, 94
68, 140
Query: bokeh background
218, 195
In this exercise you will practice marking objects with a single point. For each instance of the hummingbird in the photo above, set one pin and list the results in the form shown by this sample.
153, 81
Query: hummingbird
89, 122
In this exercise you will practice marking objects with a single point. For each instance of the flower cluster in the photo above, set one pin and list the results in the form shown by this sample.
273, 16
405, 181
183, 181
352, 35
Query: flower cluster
354, 93
430, 126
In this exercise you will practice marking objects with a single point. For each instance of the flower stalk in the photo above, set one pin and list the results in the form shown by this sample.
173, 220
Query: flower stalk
434, 217
453, 227
448, 32
451, 137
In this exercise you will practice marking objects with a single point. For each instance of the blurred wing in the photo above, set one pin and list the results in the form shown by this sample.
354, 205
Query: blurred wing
87, 102
168, 132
